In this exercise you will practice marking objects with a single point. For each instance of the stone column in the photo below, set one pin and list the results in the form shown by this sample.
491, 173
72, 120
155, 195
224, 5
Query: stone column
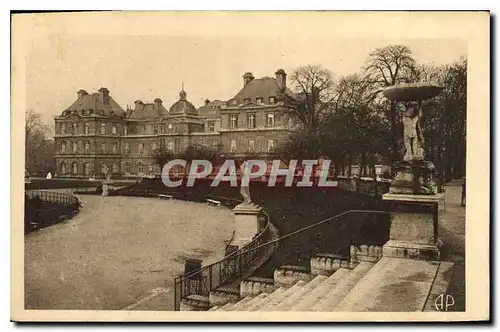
246, 216
414, 226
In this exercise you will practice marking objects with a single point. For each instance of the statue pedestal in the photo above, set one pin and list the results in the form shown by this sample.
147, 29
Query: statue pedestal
414, 226
247, 223
106, 187
413, 177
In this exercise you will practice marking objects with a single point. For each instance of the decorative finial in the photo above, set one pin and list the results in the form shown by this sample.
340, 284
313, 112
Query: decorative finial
182, 94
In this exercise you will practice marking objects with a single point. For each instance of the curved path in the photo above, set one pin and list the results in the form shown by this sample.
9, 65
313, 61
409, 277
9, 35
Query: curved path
119, 249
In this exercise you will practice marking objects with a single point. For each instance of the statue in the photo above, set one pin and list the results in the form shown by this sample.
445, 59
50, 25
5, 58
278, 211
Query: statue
413, 138
245, 190
105, 171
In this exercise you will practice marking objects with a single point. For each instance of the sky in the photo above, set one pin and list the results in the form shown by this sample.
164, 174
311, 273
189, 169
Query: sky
147, 66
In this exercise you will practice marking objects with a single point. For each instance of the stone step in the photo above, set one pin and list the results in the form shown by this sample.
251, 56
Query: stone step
291, 290
290, 300
214, 308
394, 284
308, 300
343, 288
226, 306
255, 301
268, 299
239, 303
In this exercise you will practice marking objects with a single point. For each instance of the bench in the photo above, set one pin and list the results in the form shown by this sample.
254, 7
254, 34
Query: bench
162, 196
213, 202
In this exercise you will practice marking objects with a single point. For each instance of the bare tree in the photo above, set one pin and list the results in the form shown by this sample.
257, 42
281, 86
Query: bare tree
387, 66
39, 148
313, 85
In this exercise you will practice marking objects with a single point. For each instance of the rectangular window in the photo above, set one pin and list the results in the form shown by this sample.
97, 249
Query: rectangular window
211, 125
233, 145
270, 119
260, 100
127, 167
155, 130
270, 145
124, 130
233, 121
87, 147
75, 129
251, 145
177, 144
141, 148
115, 148
63, 128
75, 147
86, 129
251, 121
103, 148
127, 148
153, 147
103, 128
272, 100
113, 130
63, 147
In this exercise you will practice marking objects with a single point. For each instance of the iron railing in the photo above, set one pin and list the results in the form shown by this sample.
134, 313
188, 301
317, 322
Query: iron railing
231, 269
52, 197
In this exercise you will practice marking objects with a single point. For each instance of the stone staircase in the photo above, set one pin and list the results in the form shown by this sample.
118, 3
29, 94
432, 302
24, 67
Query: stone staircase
366, 282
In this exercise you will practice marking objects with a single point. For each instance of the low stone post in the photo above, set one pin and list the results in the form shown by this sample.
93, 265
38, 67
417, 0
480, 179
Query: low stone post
246, 216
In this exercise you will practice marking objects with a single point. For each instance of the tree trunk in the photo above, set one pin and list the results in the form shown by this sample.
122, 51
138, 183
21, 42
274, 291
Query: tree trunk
394, 129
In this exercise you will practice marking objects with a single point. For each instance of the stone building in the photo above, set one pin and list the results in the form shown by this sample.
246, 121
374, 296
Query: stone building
95, 132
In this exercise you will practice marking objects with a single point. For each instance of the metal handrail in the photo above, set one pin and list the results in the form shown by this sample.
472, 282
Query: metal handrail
246, 249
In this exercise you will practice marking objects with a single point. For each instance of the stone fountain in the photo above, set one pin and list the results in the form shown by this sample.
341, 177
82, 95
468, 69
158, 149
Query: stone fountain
413, 199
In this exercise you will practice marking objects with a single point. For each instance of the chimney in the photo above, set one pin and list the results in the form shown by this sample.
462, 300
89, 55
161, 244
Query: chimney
104, 95
139, 105
247, 78
81, 93
207, 101
158, 103
281, 79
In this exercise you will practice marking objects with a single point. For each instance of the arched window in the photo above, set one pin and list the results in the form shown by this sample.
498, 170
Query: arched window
86, 168
63, 168
74, 168
170, 146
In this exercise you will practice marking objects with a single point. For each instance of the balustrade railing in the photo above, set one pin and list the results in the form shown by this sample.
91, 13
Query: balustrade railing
232, 268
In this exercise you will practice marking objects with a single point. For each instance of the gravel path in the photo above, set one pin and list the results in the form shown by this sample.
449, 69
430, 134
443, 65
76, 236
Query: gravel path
117, 249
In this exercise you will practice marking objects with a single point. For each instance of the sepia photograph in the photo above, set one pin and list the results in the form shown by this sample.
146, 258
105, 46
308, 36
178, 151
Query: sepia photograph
250, 166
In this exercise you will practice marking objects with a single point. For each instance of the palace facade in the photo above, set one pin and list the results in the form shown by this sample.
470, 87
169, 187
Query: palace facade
95, 132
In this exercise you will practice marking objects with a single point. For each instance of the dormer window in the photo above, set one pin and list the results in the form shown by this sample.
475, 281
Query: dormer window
234, 102
272, 100
246, 100
64, 113
260, 100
